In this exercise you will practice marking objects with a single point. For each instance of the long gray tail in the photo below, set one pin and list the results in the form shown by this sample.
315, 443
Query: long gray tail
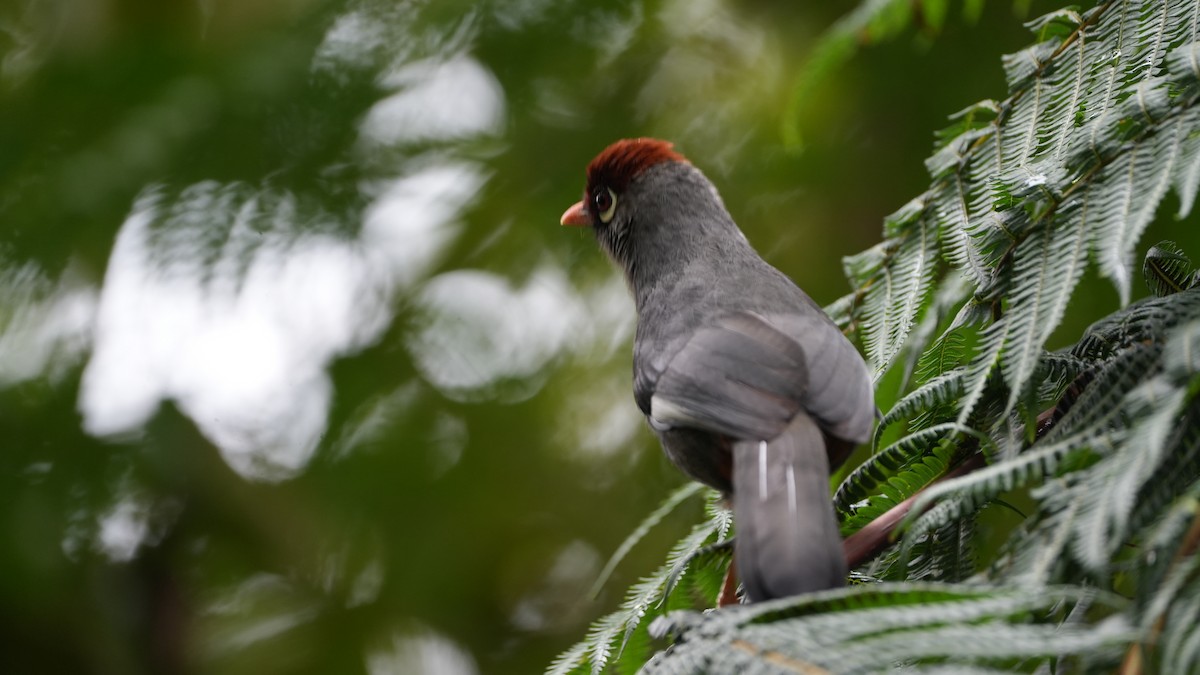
787, 534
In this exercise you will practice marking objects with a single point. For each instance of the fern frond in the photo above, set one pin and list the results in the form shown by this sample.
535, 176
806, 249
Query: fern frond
1167, 269
721, 518
899, 485
1099, 405
609, 635
958, 236
898, 289
839, 311
980, 370
669, 504
1178, 474
569, 662
1135, 480
1049, 266
869, 628
946, 353
1181, 359
973, 490
885, 464
1127, 197
1180, 641
949, 293
1109, 490
1145, 321
1187, 175
939, 391
946, 554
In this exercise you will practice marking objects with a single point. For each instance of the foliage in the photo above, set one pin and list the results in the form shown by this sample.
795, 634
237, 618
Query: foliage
872, 21
621, 638
1102, 437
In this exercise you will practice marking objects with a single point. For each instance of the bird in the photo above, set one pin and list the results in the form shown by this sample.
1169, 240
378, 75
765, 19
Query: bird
749, 386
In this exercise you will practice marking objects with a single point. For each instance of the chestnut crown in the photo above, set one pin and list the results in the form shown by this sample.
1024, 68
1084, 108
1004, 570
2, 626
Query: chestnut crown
621, 162
611, 172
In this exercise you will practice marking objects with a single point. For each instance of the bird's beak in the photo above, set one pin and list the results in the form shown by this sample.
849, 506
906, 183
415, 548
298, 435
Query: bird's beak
576, 216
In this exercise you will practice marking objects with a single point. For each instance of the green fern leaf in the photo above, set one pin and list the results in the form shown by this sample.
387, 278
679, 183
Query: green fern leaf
973, 490
1187, 174
872, 628
669, 504
569, 662
1126, 202
886, 464
1110, 489
1167, 269
1049, 267
978, 373
941, 390
898, 290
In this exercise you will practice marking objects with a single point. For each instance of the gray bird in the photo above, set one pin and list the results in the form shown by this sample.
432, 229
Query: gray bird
748, 384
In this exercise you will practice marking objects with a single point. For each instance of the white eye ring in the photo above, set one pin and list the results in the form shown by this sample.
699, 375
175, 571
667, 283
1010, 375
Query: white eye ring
606, 204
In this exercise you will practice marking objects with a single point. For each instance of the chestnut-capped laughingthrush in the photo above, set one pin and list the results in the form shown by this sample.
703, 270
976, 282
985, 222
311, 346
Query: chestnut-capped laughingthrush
747, 383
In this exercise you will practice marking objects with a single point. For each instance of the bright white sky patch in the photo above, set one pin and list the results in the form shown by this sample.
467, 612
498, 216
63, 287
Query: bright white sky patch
436, 99
232, 300
421, 651
123, 530
242, 342
482, 331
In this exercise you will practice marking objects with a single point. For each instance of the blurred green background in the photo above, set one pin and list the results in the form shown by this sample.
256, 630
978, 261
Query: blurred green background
298, 372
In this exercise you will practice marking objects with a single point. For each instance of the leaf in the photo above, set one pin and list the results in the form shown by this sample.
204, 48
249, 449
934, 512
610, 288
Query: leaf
669, 504
609, 636
960, 496
897, 277
1125, 205
1050, 264
1167, 269
569, 661
873, 628
872, 21
941, 390
885, 464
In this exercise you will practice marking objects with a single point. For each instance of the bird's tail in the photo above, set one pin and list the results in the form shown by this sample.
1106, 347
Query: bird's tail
787, 533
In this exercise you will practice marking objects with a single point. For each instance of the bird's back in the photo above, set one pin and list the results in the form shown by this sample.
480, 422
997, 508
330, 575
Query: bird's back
837, 390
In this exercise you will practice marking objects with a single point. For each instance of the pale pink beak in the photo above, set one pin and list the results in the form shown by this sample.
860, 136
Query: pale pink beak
576, 216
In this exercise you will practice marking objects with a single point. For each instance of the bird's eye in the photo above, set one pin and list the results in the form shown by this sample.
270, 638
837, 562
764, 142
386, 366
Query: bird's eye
605, 202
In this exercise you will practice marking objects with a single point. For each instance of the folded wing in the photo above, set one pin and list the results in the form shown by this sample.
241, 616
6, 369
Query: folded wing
746, 376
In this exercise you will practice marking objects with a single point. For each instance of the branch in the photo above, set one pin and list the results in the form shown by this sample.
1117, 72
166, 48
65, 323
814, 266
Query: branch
876, 536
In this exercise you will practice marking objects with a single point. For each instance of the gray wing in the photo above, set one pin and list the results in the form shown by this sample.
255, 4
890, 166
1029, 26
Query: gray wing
839, 393
746, 376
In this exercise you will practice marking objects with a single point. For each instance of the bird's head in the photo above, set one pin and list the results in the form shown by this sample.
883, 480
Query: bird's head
609, 179
648, 206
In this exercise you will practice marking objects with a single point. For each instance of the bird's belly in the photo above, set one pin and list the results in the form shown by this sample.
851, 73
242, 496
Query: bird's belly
702, 455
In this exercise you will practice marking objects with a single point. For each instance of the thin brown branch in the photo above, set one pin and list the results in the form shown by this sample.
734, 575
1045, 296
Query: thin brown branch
877, 535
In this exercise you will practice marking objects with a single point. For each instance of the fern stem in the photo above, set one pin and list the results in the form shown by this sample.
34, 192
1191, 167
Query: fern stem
876, 536
862, 546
